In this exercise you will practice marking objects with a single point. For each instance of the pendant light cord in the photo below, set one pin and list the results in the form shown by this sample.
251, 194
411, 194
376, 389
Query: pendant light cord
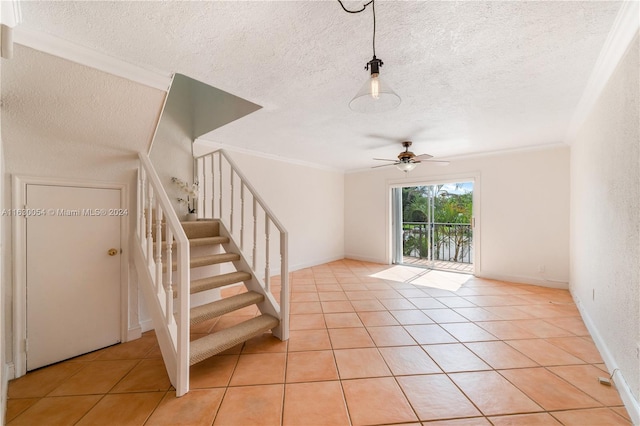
373, 8
364, 6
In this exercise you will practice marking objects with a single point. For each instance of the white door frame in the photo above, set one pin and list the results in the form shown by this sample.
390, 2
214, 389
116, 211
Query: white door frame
19, 250
435, 180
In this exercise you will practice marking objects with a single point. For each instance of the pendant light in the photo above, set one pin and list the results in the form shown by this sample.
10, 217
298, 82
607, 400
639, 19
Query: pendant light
374, 95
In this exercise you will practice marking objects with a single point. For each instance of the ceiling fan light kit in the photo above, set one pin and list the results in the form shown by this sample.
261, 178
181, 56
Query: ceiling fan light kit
408, 161
406, 166
374, 95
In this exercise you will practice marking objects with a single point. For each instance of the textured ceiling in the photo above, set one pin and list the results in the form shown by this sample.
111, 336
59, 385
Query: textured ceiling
476, 76
61, 119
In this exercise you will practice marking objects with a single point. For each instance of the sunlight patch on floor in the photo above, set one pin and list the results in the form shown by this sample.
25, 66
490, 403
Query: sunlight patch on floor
423, 277
451, 281
399, 273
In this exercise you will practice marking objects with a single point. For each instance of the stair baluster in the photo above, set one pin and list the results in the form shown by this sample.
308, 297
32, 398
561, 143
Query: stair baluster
159, 232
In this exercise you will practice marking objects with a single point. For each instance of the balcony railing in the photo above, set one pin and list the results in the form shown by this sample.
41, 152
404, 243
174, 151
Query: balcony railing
451, 242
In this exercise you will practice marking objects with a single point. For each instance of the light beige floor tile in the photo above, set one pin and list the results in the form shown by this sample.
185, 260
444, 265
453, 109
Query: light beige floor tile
392, 335
409, 360
212, 372
251, 405
499, 355
198, 407
411, 316
122, 409
598, 416
544, 353
311, 366
536, 419
580, 347
343, 320
259, 369
95, 377
548, 390
429, 334
40, 382
61, 410
376, 319
376, 401
482, 387
450, 403
309, 340
344, 338
455, 358
585, 378
328, 407
360, 363
147, 376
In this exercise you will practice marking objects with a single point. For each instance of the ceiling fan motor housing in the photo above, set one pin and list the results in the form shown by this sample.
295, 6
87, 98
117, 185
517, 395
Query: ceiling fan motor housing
407, 155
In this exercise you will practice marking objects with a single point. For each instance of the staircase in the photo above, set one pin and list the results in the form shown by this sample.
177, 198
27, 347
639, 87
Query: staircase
177, 262
205, 235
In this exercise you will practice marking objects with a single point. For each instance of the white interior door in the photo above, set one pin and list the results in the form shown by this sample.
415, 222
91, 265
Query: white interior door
73, 281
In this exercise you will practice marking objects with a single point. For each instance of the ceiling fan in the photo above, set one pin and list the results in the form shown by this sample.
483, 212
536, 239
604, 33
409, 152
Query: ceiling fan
408, 161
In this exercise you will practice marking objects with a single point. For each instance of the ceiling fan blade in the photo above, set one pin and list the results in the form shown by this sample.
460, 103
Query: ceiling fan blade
384, 159
422, 157
437, 162
384, 165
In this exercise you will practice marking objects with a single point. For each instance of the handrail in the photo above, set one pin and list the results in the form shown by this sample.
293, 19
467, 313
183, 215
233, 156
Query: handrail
252, 190
219, 181
435, 240
172, 332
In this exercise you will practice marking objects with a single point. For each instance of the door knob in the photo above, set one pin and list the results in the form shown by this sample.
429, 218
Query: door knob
112, 252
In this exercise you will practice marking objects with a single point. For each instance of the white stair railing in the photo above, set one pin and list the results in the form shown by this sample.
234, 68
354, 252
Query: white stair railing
227, 195
159, 236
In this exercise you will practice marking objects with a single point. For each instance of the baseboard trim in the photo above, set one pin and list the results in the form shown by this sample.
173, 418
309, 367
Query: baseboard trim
314, 263
134, 333
146, 325
364, 259
10, 371
630, 402
525, 280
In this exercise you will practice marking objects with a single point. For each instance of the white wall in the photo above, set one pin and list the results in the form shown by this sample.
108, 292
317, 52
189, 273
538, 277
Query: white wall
3, 367
523, 212
605, 222
308, 201
64, 120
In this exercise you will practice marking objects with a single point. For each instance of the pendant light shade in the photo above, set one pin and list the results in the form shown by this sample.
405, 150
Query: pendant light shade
374, 96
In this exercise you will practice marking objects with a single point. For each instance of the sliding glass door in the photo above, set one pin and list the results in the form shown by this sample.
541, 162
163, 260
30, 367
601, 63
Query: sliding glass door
432, 226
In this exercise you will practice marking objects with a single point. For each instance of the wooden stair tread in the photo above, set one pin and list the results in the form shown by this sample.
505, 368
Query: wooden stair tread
211, 259
224, 306
215, 343
201, 228
199, 242
218, 281
208, 241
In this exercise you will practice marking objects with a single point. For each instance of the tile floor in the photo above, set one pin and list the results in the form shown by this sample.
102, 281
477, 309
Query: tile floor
370, 344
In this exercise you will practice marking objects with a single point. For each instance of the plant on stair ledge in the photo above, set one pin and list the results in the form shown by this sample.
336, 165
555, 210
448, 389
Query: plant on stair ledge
191, 197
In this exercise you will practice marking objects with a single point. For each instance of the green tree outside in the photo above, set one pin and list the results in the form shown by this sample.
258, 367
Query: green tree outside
451, 211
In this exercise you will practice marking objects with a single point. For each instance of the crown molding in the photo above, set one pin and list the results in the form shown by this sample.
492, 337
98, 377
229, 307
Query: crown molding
82, 55
209, 146
622, 33
10, 13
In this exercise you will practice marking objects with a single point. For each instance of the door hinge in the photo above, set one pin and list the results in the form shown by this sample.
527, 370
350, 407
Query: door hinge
26, 345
